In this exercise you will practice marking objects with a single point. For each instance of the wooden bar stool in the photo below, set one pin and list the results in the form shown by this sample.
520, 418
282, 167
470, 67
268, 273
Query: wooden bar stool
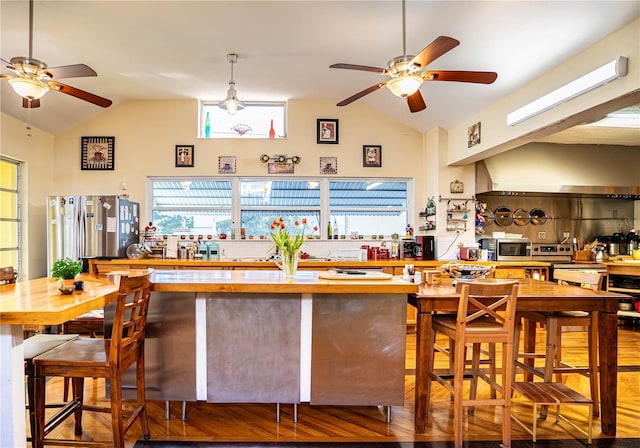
478, 321
108, 358
554, 322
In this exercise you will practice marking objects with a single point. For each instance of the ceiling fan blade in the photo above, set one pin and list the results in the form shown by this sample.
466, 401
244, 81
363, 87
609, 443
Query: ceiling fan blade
365, 68
83, 95
72, 71
416, 102
460, 76
434, 50
359, 95
30, 104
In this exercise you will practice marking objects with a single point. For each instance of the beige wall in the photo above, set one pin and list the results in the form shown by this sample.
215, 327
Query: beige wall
146, 133
35, 149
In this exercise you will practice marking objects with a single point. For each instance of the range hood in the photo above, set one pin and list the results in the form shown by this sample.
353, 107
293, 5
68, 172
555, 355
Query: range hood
612, 171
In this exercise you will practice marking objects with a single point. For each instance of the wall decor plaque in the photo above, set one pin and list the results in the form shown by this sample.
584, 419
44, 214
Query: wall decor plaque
97, 153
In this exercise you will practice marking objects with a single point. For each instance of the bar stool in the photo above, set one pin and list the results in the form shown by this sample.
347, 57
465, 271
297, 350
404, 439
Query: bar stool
478, 321
554, 322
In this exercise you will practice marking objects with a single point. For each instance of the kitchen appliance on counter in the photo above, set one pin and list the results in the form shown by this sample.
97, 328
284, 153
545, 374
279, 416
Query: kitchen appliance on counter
507, 249
83, 227
408, 248
425, 248
469, 253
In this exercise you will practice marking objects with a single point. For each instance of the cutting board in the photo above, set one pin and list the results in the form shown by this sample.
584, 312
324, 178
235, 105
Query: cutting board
355, 275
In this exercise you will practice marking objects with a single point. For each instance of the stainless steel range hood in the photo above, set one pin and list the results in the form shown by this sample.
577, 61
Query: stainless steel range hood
613, 171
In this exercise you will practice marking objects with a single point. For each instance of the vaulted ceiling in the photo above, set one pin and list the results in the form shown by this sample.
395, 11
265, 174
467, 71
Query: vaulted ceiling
147, 50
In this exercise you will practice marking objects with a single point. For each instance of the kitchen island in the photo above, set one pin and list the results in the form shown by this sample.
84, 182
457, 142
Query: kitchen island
260, 338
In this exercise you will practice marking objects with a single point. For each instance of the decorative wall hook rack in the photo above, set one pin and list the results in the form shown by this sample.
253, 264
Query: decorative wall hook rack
280, 158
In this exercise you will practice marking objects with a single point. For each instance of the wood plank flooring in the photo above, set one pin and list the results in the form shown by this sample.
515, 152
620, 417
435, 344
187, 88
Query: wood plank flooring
215, 422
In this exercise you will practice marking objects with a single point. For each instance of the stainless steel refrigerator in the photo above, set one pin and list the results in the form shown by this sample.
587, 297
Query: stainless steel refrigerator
83, 227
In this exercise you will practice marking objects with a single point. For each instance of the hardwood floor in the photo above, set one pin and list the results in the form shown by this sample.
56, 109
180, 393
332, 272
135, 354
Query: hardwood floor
214, 422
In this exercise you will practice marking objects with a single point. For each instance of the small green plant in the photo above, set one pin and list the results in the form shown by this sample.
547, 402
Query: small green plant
66, 268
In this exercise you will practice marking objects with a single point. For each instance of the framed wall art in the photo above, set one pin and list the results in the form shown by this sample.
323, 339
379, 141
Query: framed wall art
327, 131
97, 153
184, 155
473, 135
328, 165
226, 164
371, 156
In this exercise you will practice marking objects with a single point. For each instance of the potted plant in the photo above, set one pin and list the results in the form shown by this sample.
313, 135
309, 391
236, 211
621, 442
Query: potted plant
66, 269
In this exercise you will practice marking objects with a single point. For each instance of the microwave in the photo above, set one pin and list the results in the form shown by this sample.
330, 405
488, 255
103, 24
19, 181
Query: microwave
507, 249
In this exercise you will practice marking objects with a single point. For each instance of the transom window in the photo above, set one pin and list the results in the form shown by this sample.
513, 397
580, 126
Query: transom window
254, 121
210, 206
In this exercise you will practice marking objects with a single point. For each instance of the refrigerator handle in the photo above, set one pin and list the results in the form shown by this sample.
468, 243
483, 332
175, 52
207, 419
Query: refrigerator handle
81, 228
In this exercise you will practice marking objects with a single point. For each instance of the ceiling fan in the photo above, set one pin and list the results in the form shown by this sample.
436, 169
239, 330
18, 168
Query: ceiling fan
407, 73
32, 79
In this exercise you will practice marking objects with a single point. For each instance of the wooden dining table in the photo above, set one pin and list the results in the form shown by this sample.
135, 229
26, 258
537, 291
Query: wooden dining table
533, 295
35, 302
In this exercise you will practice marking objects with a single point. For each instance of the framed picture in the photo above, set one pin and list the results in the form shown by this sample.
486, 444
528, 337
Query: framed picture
280, 168
473, 135
456, 186
371, 155
184, 155
97, 153
226, 164
328, 165
327, 131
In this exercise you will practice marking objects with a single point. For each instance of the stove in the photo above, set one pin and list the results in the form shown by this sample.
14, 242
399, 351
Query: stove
551, 252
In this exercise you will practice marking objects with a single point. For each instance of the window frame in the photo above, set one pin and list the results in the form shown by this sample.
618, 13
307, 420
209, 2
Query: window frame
323, 207
18, 210
248, 106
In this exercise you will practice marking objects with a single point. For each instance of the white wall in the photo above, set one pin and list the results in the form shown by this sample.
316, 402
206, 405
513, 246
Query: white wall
34, 148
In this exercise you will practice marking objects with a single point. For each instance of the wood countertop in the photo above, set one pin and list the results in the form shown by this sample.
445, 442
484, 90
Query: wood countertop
39, 302
303, 264
259, 281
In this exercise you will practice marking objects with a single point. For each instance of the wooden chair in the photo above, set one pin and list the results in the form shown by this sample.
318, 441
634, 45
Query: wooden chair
478, 321
554, 322
108, 358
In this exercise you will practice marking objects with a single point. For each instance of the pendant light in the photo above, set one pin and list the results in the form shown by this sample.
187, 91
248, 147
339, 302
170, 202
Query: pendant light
232, 104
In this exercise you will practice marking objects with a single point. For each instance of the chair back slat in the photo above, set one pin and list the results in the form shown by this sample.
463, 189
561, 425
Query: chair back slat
586, 279
130, 317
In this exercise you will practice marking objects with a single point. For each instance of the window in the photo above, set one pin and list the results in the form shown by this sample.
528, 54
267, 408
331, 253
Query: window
9, 213
375, 207
254, 121
210, 206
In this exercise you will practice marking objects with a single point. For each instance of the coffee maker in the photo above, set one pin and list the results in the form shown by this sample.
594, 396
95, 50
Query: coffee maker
425, 248
407, 248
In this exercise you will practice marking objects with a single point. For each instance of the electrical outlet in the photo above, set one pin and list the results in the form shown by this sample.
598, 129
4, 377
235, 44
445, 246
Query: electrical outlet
542, 235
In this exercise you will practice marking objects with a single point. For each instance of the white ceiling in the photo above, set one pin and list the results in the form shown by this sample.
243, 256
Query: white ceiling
177, 49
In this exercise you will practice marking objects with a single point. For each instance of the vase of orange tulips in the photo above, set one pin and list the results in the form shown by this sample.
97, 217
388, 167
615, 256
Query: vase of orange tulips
288, 244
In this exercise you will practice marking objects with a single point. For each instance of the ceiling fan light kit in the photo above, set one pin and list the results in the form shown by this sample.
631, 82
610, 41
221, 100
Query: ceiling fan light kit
31, 89
403, 86
231, 103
